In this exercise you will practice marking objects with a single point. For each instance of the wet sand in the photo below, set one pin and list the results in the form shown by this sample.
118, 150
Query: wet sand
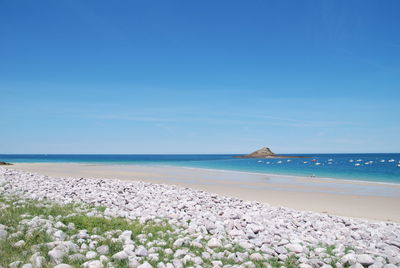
368, 200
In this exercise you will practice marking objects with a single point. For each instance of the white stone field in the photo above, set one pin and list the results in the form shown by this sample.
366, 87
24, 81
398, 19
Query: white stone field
209, 230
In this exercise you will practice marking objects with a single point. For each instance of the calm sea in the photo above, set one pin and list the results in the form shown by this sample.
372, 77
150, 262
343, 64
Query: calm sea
367, 167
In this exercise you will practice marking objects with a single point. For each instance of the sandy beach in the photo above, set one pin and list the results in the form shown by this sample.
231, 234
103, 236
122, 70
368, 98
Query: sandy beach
368, 200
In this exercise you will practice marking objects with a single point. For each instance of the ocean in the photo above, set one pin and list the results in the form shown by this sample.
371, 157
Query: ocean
382, 167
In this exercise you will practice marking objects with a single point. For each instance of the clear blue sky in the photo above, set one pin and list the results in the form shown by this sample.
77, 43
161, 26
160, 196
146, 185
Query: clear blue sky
95, 76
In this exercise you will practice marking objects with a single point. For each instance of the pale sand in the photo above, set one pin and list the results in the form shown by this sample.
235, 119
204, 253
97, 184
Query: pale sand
374, 201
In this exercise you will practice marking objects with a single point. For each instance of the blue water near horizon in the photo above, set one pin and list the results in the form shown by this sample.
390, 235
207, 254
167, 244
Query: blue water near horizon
377, 167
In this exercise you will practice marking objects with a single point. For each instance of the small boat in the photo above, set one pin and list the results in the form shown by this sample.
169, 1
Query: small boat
398, 165
382, 161
358, 164
330, 160
314, 160
305, 162
279, 162
391, 160
359, 160
351, 160
259, 161
288, 160
267, 163
317, 164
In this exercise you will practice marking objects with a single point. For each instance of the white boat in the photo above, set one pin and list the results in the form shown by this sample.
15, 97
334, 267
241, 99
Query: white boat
267, 163
351, 160
305, 162
317, 164
391, 160
288, 160
359, 160
279, 162
358, 164
259, 161
382, 161
330, 160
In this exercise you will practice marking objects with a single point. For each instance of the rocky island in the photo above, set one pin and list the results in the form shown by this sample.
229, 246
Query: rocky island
265, 152
4, 163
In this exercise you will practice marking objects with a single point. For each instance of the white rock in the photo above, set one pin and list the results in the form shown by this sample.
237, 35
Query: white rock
59, 225
256, 257
129, 249
15, 264
133, 263
145, 265
3, 234
37, 260
56, 256
180, 253
376, 264
103, 258
197, 260
304, 265
168, 251
178, 242
349, 259
214, 243
104, 249
91, 255
122, 255
296, 248
59, 235
93, 264
365, 259
63, 265
19, 244
141, 251
76, 257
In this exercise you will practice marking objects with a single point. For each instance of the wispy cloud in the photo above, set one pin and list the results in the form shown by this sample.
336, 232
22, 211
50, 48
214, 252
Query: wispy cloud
223, 118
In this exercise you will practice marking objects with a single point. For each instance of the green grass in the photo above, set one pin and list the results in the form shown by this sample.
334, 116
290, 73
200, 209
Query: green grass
83, 222
12, 215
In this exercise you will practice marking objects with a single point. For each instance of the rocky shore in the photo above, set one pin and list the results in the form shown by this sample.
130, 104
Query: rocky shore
110, 223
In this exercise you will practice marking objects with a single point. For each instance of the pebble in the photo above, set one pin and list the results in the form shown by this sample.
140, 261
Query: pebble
56, 256
104, 249
63, 265
122, 255
141, 251
145, 265
214, 243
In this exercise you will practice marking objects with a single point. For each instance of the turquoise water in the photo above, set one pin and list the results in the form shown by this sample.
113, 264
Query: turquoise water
366, 167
